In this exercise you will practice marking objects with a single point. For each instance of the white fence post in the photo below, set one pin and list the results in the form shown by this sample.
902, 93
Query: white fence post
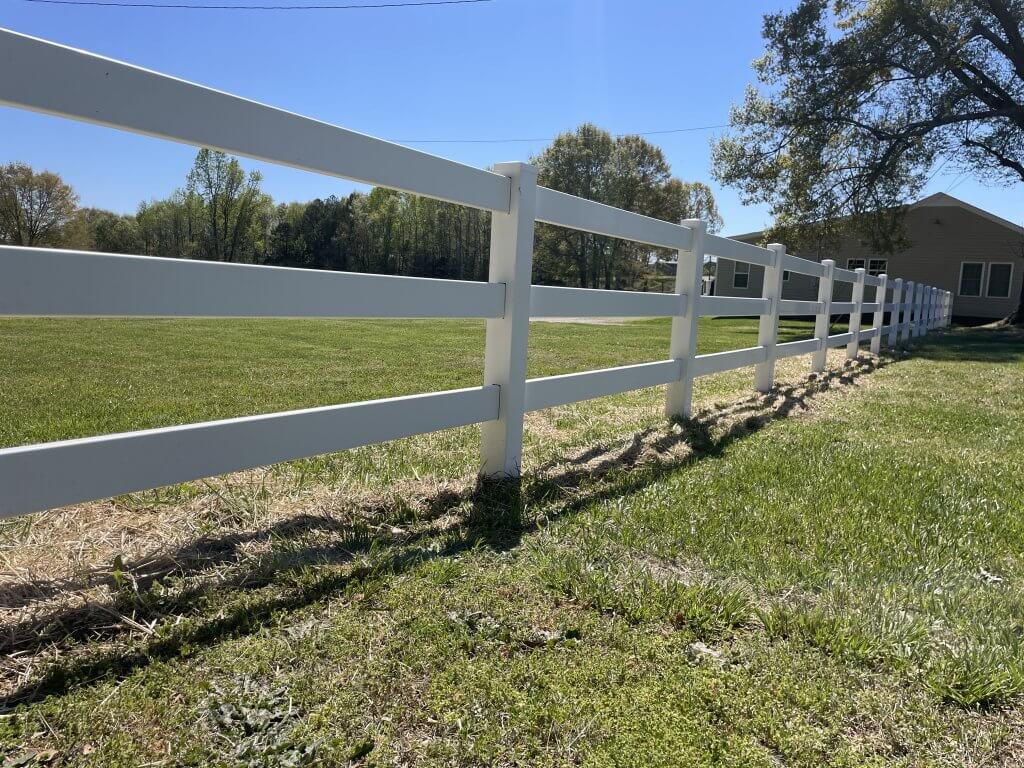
907, 306
894, 315
922, 325
853, 348
768, 327
511, 263
915, 311
929, 292
822, 320
919, 310
879, 319
683, 343
949, 308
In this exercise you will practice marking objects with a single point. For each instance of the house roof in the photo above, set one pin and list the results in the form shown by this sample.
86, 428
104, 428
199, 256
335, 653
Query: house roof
938, 200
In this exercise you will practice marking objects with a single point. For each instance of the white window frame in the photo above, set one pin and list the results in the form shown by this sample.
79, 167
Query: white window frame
860, 264
981, 281
876, 272
988, 279
785, 275
736, 272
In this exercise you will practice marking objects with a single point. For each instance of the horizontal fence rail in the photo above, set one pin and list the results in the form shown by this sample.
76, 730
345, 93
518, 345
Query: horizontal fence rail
47, 282
792, 263
550, 301
732, 306
97, 467
788, 307
574, 387
46, 77
724, 248
587, 216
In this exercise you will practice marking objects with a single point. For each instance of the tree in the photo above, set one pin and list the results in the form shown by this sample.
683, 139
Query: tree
862, 99
168, 227
231, 209
110, 232
691, 200
36, 209
627, 172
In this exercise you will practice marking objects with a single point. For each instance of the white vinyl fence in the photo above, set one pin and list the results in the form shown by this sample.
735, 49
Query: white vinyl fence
42, 76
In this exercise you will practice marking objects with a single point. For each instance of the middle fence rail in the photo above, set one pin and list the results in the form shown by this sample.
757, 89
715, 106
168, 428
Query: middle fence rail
43, 76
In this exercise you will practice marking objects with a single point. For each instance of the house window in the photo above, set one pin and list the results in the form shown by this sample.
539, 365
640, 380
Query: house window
741, 277
874, 267
785, 275
999, 277
970, 278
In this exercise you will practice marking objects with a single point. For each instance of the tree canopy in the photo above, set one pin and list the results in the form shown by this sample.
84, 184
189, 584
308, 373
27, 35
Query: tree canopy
626, 172
860, 100
36, 209
222, 214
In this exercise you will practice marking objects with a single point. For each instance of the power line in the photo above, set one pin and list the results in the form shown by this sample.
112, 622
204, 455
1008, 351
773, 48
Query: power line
957, 182
551, 138
206, 7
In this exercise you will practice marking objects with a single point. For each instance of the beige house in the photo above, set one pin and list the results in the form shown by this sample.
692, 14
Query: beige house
953, 245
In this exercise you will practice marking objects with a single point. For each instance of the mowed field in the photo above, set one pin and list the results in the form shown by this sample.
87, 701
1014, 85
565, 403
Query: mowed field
832, 574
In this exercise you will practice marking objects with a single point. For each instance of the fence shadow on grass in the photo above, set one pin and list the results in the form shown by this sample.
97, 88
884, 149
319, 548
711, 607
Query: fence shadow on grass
228, 595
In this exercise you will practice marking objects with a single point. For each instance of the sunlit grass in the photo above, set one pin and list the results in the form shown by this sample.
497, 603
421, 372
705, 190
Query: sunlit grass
833, 575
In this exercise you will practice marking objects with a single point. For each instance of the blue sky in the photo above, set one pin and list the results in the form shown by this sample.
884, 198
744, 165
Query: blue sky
494, 70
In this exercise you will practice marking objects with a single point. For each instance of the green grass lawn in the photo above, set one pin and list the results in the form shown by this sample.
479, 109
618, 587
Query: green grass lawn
72, 378
830, 575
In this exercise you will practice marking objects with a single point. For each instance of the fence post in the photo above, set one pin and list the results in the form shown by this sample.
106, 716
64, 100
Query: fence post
919, 310
683, 343
949, 308
879, 319
894, 315
908, 308
768, 327
511, 262
823, 319
853, 348
922, 326
915, 311
929, 297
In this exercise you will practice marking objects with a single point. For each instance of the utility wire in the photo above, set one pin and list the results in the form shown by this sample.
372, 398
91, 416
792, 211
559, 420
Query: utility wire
206, 7
550, 138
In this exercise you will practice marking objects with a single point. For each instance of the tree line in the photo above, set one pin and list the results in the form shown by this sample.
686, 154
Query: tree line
222, 214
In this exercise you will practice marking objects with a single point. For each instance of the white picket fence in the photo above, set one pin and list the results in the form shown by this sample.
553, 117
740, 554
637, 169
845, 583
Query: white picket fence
42, 76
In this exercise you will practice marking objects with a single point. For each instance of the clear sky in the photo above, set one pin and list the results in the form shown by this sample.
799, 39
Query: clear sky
505, 69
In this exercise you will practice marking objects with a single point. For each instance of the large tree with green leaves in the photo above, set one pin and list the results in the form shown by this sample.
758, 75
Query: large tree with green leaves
626, 172
36, 208
861, 100
233, 212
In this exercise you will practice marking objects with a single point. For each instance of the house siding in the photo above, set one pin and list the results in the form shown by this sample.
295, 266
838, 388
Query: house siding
941, 238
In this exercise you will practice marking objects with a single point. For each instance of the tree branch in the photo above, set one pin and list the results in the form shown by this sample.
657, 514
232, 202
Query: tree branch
999, 157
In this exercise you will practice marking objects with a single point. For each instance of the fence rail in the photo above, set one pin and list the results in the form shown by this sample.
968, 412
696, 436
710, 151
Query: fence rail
46, 77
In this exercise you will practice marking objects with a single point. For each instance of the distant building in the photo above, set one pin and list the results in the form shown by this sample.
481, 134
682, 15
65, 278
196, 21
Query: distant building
953, 245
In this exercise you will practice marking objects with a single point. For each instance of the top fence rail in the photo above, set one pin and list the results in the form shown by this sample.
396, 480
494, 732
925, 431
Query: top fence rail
46, 77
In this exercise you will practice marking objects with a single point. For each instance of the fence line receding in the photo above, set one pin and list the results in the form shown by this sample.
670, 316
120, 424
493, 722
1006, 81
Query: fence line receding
43, 76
